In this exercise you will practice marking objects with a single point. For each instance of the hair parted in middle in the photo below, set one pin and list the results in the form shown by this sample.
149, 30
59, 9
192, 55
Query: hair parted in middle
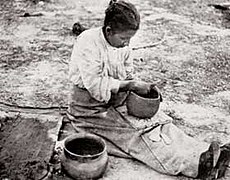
121, 16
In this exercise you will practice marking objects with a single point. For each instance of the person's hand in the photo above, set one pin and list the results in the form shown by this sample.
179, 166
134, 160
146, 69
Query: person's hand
145, 89
140, 87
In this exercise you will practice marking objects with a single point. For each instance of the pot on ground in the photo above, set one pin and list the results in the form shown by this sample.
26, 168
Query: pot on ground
84, 156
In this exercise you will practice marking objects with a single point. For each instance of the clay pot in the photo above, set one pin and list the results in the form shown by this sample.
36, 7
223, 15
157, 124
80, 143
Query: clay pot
144, 106
84, 156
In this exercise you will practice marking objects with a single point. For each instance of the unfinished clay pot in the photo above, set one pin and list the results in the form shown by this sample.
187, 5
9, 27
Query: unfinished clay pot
84, 156
144, 106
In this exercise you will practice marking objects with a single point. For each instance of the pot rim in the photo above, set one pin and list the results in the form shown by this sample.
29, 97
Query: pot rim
145, 98
89, 136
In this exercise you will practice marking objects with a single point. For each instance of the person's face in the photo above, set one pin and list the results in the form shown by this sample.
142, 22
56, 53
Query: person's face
119, 39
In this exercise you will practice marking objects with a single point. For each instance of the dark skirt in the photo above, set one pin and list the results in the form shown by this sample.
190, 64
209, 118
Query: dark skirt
165, 148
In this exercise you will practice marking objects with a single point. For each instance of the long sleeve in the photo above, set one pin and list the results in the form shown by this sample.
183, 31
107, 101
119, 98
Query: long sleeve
86, 58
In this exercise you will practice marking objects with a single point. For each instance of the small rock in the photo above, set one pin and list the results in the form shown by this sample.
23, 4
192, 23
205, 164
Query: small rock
41, 3
78, 28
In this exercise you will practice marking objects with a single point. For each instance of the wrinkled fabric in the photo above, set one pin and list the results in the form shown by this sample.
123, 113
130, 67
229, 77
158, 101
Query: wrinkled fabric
97, 66
158, 143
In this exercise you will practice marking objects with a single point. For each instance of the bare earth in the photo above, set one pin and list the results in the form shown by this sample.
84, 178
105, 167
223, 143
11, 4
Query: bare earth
184, 45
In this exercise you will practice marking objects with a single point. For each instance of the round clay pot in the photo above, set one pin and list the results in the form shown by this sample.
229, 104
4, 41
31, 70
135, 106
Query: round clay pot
84, 156
143, 106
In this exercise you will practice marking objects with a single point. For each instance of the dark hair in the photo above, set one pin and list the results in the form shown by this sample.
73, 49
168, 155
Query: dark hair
121, 16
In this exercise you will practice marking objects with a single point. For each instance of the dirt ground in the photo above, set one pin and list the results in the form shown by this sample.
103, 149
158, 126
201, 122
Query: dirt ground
184, 45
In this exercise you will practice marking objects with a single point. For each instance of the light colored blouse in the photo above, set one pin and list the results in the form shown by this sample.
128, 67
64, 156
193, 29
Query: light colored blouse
98, 66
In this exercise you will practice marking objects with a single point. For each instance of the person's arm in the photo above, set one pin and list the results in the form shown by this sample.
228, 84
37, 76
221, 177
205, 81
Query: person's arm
126, 85
139, 87
92, 71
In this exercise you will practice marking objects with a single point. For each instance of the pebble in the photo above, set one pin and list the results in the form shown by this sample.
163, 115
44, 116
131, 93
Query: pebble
41, 3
